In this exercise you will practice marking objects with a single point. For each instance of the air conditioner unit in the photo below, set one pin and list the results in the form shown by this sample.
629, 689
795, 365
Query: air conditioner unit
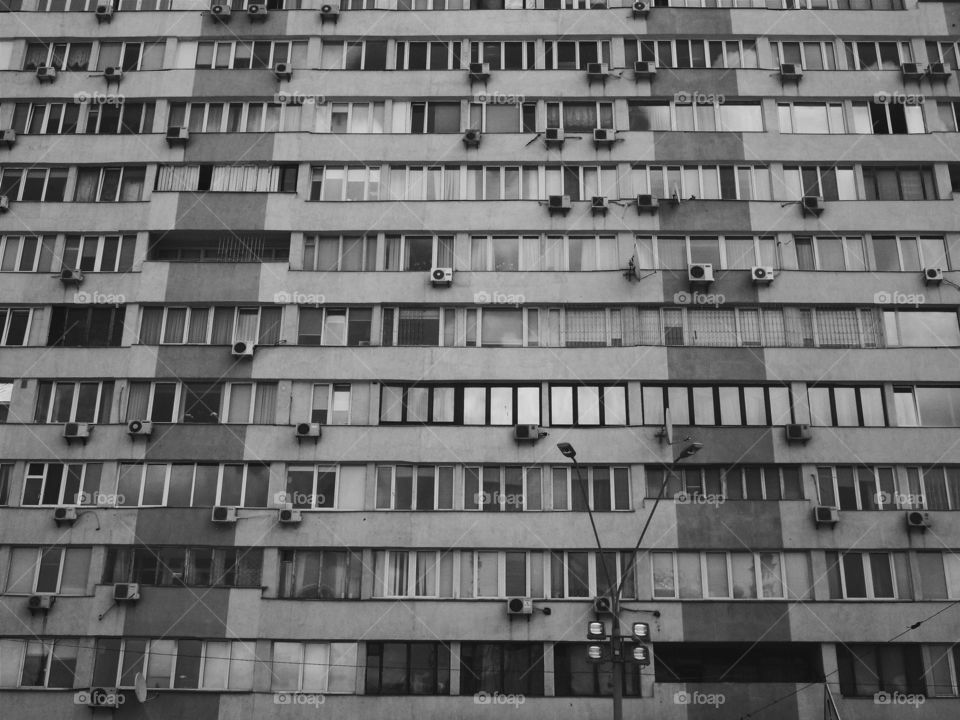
647, 204
177, 136
243, 349
126, 592
939, 71
640, 9
4, 203
917, 520
223, 514
104, 12
64, 515
471, 138
933, 275
604, 136
71, 276
113, 74
40, 603
441, 276
797, 433
257, 13
308, 430
700, 272
220, 12
140, 427
761, 275
329, 12
289, 516
99, 698
597, 71
8, 137
791, 71
528, 433
553, 136
811, 205
603, 604
283, 71
911, 70
558, 204
479, 70
825, 515
45, 73
644, 69
599, 204
76, 431
519, 606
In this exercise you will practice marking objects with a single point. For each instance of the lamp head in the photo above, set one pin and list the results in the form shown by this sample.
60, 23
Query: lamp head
567, 450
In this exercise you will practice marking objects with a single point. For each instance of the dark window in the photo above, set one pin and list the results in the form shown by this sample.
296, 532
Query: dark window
72, 326
508, 668
738, 662
576, 676
867, 669
420, 668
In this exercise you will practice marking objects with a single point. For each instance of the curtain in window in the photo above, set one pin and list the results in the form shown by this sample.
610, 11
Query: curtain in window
247, 321
139, 395
150, 325
79, 56
586, 328
198, 325
88, 179
176, 320
530, 253
175, 178
269, 326
265, 404
712, 327
222, 326
838, 328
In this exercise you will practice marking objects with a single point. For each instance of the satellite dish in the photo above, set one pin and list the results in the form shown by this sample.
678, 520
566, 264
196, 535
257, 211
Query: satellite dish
140, 687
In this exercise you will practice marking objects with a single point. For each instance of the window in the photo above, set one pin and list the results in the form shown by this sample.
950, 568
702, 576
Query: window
588, 405
739, 482
941, 488
334, 326
235, 117
221, 325
131, 56
320, 574
60, 56
736, 575
602, 488
939, 575
39, 118
525, 253
811, 55
868, 575
812, 118
6, 392
123, 118
905, 328
703, 116
407, 668
110, 184
899, 183
439, 182
184, 566
466, 574
703, 405
575, 55
226, 664
589, 574
862, 488
514, 55
579, 182
580, 116
927, 406
331, 404
314, 667
417, 252
495, 488
351, 117
707, 182
575, 676
830, 183
888, 118
870, 55
361, 55
69, 401
38, 663
99, 253
731, 252
192, 485
738, 662
495, 116
944, 51
340, 253
227, 178
508, 668
350, 183
203, 402
33, 184
53, 570
26, 253
868, 669
6, 472
481, 405
415, 487
909, 253
86, 326
59, 484
830, 252
244, 55
312, 487
14, 326
693, 53
846, 406
436, 55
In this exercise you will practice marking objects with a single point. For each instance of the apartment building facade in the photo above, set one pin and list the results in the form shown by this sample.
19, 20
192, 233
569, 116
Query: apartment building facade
291, 293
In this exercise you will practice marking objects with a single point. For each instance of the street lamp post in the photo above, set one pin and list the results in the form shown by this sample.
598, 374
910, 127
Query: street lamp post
641, 631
